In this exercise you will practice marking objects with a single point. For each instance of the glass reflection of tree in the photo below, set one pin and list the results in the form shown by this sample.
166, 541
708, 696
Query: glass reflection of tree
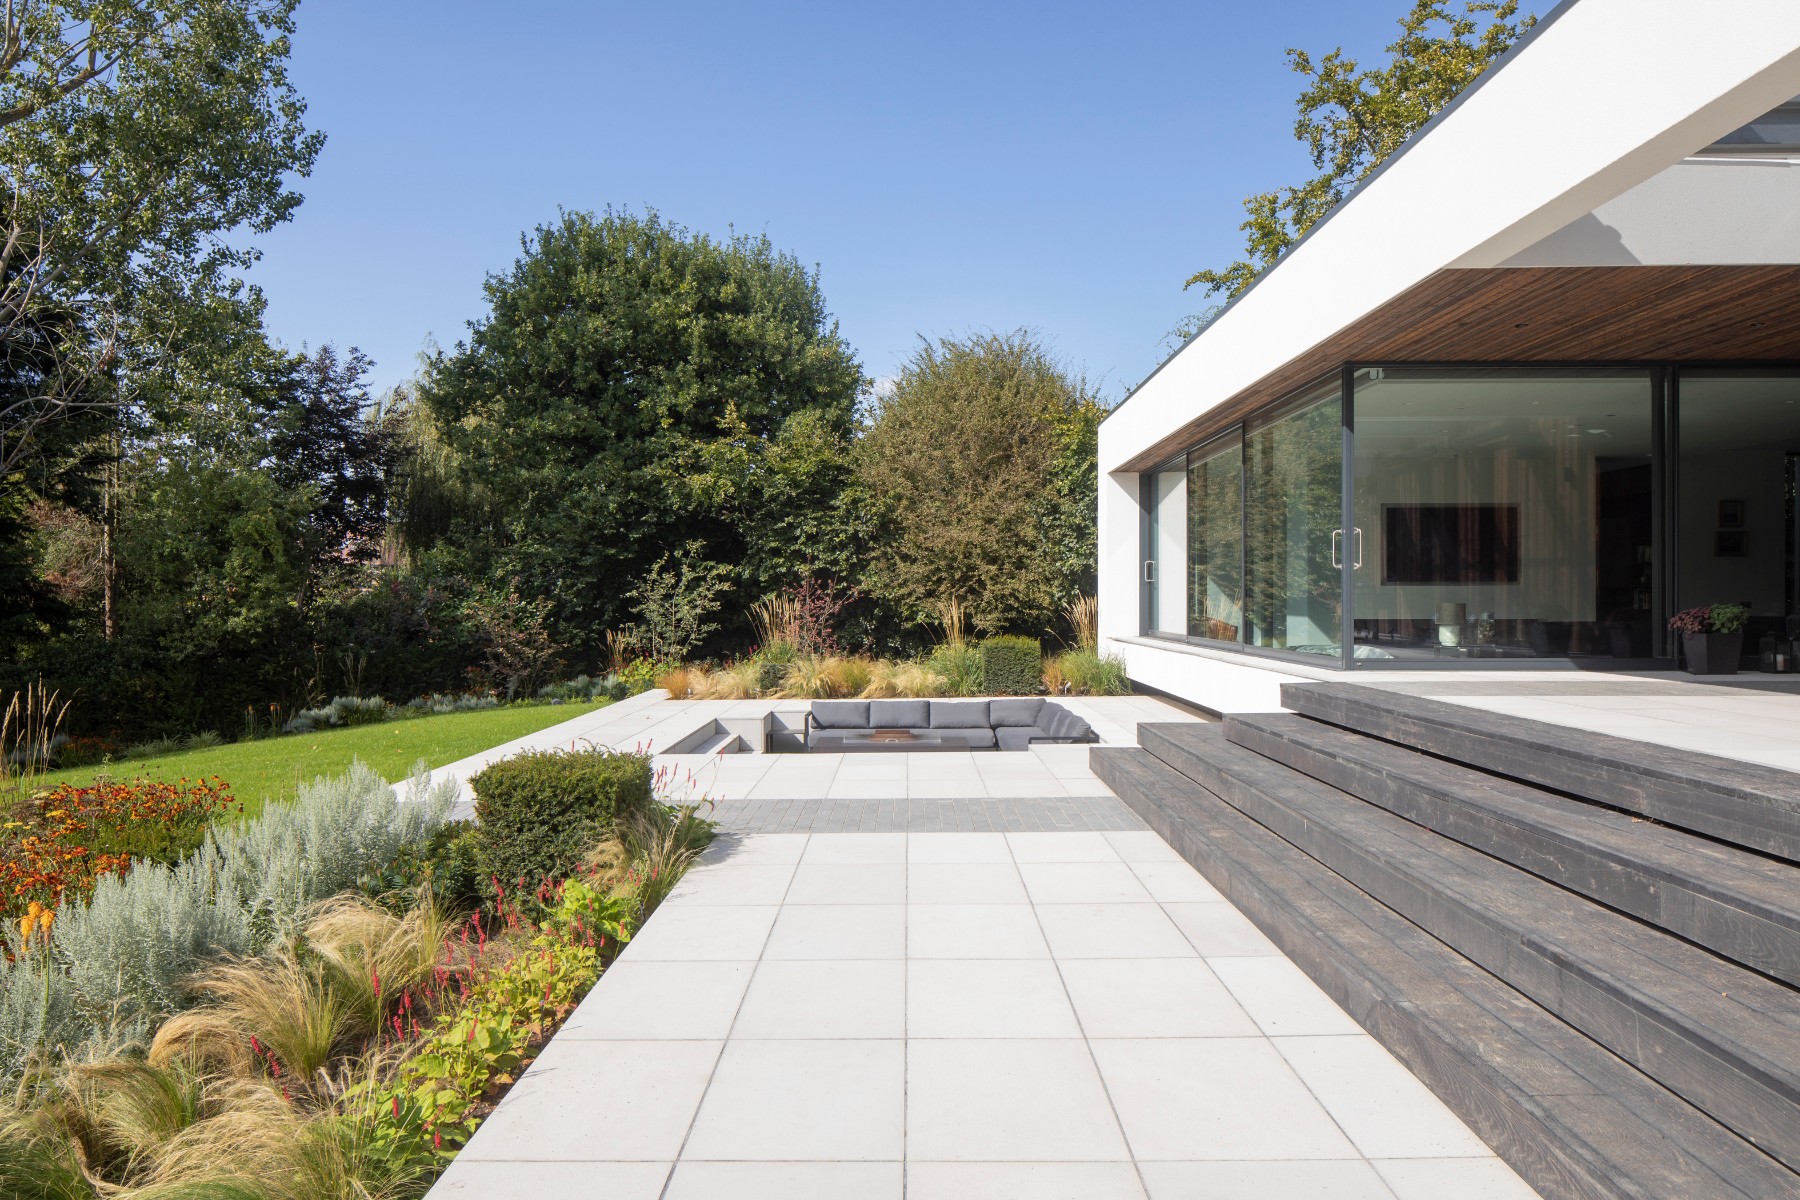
1215, 545
1293, 504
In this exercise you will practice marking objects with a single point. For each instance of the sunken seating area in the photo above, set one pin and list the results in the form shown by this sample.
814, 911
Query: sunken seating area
1587, 946
850, 726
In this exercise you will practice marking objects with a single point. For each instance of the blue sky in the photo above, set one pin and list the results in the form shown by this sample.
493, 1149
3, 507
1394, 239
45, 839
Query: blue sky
949, 167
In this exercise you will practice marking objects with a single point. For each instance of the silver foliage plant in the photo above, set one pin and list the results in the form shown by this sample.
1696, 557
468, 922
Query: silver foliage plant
125, 955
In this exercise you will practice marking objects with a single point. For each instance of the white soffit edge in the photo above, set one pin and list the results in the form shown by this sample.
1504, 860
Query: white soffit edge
1605, 96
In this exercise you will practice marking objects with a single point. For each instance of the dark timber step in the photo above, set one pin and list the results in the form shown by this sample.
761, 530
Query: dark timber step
1742, 905
1576, 1121
1738, 802
1720, 1036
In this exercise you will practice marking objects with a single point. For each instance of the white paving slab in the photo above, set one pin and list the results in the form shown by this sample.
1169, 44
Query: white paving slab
1026, 1016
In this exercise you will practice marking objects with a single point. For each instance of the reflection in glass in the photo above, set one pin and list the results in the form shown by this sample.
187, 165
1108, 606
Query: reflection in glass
1502, 514
1166, 577
1737, 528
1215, 542
1293, 472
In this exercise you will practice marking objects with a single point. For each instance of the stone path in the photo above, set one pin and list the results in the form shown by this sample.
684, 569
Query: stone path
960, 1016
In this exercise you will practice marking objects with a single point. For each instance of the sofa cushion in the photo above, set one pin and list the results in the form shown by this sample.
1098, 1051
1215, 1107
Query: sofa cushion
840, 714
973, 738
899, 714
959, 714
1014, 737
1058, 722
1021, 711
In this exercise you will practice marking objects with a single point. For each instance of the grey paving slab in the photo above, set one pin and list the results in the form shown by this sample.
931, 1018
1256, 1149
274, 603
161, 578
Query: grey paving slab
963, 1016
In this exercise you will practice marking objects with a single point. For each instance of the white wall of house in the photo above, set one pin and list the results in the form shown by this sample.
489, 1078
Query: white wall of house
1605, 96
1701, 210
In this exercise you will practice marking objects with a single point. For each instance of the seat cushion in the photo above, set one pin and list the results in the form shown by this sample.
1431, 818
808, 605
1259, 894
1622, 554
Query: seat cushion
1022, 710
899, 714
974, 739
1014, 737
959, 714
840, 714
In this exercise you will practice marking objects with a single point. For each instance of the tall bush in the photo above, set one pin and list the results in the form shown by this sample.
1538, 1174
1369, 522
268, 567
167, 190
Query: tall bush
1011, 666
541, 812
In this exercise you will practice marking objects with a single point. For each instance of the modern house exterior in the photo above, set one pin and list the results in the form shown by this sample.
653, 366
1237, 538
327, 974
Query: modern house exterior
1531, 389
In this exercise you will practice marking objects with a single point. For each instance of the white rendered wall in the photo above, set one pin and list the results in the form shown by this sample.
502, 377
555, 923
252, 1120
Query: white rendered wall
1226, 683
1701, 210
1605, 97
1120, 568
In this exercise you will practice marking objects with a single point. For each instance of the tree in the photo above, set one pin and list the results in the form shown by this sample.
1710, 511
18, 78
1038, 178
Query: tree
140, 140
323, 431
978, 467
1352, 119
619, 400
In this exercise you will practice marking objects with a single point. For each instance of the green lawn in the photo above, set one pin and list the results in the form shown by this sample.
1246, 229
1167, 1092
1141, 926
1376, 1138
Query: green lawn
270, 769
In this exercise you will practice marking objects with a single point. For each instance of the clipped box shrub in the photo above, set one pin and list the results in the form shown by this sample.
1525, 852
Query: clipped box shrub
539, 813
1011, 666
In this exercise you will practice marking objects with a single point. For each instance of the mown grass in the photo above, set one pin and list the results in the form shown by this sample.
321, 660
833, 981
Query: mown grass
272, 769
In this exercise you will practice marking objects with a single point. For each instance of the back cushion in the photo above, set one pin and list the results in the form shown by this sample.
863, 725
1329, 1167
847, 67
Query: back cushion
1023, 711
959, 714
841, 714
1059, 722
899, 714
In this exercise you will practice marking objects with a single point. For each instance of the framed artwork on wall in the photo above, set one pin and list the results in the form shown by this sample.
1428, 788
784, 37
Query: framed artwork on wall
1731, 514
1731, 543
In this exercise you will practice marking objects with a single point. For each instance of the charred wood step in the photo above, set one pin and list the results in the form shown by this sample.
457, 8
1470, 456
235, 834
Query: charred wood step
1742, 803
1745, 906
1722, 1037
1575, 1120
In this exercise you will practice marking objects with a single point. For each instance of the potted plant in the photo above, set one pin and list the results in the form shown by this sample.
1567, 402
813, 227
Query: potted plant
1712, 637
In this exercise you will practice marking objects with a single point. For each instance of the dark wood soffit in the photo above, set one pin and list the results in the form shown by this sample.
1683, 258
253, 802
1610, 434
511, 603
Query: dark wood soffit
1544, 314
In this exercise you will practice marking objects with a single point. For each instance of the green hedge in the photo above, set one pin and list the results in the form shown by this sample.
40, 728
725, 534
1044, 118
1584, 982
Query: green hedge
539, 813
1011, 666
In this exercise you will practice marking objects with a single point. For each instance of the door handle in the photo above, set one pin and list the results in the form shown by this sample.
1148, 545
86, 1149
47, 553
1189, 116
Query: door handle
1359, 549
1149, 570
1337, 541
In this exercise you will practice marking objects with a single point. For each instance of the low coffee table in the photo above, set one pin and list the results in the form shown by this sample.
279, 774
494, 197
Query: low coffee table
874, 741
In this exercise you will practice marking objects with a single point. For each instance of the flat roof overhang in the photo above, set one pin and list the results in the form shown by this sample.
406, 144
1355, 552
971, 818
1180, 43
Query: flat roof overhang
1602, 96
1540, 315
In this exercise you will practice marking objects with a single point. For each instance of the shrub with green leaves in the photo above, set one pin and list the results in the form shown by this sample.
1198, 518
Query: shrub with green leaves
1011, 666
540, 813
959, 664
1087, 673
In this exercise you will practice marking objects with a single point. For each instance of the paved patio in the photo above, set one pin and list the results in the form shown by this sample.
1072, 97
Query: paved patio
1056, 1007
955, 1015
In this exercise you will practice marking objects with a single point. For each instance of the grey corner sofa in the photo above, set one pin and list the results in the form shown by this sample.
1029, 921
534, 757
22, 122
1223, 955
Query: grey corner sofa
1004, 724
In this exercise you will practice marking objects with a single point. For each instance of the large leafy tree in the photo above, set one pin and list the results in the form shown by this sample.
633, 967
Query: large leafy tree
140, 142
978, 470
323, 431
1352, 118
630, 391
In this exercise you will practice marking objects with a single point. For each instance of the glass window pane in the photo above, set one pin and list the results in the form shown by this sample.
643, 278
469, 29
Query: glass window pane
1293, 473
1502, 514
1737, 528
1167, 580
1215, 543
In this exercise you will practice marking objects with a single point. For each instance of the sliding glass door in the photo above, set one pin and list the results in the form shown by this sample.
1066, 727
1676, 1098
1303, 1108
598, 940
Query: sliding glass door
1293, 540
1736, 525
1502, 514
1165, 571
1215, 489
